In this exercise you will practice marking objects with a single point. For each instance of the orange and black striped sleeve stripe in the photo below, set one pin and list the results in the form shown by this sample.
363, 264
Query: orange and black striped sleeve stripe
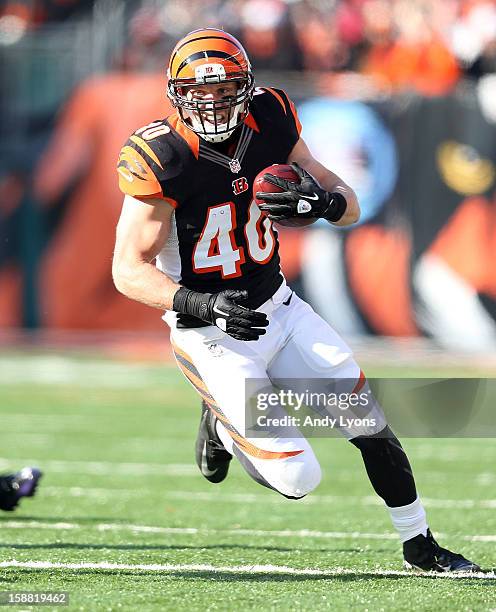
287, 106
138, 167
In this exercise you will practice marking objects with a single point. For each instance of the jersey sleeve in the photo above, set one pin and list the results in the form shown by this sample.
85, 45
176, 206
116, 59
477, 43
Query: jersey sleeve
288, 115
141, 169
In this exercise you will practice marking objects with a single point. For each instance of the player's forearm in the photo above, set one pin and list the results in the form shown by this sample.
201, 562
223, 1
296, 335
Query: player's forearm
352, 212
144, 283
327, 180
334, 184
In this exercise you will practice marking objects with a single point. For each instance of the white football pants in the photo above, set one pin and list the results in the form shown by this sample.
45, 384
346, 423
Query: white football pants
298, 345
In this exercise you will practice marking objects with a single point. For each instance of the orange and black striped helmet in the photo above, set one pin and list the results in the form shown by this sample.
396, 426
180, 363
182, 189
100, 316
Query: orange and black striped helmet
204, 57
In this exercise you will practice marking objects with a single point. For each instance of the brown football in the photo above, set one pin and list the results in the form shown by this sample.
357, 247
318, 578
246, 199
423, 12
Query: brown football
283, 171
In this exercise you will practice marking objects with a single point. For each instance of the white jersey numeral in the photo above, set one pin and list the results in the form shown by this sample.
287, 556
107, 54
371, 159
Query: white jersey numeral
152, 130
216, 249
259, 236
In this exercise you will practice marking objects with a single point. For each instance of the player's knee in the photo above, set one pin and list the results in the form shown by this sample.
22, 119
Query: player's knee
347, 369
379, 442
298, 478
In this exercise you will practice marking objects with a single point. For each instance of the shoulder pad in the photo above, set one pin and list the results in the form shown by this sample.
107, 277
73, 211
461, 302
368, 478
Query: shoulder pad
140, 168
282, 103
136, 178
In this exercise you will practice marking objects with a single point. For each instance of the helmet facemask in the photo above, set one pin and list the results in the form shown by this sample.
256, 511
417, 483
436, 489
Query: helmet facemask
212, 120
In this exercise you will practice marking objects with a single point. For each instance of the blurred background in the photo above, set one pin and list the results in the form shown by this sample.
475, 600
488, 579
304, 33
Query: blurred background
396, 96
399, 98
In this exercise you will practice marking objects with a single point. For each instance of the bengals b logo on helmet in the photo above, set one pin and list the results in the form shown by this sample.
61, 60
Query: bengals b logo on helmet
210, 57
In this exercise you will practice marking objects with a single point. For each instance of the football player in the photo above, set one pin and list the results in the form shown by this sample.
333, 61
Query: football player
188, 207
13, 487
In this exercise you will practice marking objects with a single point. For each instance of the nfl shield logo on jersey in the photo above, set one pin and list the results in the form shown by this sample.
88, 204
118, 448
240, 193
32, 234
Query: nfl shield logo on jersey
235, 166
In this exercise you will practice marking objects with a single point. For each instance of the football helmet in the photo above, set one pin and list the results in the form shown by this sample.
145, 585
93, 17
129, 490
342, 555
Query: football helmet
203, 57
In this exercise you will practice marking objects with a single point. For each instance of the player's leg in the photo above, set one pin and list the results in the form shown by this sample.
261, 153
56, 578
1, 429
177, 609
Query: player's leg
13, 487
212, 458
315, 351
391, 476
218, 366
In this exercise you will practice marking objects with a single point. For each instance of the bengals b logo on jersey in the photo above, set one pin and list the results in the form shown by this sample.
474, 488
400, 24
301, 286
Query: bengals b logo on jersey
240, 185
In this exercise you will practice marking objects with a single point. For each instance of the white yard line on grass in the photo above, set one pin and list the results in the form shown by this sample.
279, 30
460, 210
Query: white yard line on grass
37, 525
108, 467
285, 533
104, 468
37, 419
265, 533
56, 369
241, 569
367, 500
254, 498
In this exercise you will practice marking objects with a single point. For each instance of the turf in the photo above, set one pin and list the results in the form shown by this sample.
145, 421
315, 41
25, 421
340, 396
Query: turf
115, 442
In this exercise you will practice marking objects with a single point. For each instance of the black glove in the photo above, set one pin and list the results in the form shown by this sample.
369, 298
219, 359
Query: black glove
222, 309
305, 199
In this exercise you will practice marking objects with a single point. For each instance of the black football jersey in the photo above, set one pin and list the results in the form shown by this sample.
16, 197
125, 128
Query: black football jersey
219, 238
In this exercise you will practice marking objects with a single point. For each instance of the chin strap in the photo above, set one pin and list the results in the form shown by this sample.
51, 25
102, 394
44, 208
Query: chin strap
215, 138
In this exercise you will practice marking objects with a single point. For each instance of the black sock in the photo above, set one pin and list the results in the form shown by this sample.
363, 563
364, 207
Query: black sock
387, 467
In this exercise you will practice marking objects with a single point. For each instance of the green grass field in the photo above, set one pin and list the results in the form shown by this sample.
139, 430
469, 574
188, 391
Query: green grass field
121, 488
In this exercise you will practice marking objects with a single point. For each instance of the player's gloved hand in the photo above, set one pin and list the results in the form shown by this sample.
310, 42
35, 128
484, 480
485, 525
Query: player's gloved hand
223, 309
305, 199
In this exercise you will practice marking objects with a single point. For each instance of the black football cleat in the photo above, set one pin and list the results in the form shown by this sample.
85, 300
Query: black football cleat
13, 487
211, 456
424, 553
